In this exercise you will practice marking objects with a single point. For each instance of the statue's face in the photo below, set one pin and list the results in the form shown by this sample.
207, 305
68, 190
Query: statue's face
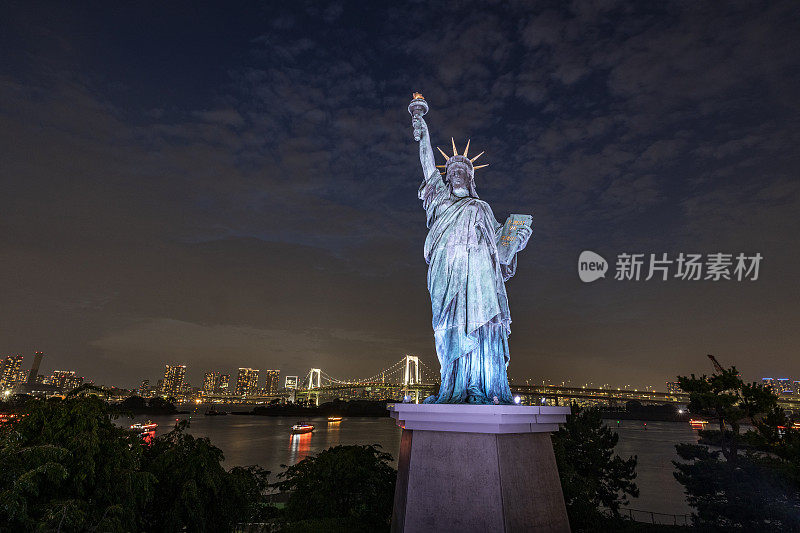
458, 177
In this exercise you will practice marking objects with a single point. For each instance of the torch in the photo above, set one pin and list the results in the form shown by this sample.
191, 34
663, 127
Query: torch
417, 108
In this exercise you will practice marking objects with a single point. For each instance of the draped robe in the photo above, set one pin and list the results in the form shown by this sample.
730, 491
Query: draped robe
466, 281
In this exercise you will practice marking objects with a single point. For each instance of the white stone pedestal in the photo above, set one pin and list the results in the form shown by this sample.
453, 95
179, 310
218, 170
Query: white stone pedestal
478, 468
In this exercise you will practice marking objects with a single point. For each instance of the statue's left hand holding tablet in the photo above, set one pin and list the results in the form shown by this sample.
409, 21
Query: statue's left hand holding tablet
524, 234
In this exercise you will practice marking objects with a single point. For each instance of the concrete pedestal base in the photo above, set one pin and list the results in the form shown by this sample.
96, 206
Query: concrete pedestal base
485, 478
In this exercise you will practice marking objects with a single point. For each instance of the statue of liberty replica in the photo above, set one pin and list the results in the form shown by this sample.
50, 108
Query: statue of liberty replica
468, 461
470, 256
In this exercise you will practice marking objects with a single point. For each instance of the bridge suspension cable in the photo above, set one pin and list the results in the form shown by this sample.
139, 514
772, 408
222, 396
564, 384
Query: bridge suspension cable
397, 370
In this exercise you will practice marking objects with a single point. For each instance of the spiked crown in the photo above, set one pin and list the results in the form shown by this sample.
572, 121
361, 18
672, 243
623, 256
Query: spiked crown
457, 158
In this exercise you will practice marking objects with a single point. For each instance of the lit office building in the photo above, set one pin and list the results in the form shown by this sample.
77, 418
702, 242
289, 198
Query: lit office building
211, 382
144, 388
784, 386
10, 369
290, 383
66, 380
770, 382
273, 380
781, 385
224, 383
173, 379
247, 382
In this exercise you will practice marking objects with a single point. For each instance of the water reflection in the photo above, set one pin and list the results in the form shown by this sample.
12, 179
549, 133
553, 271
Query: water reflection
299, 446
332, 434
261, 440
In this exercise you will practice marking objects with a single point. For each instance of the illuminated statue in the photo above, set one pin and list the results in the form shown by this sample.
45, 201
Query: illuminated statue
470, 256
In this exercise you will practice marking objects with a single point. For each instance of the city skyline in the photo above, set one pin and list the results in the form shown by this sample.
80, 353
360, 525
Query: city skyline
237, 186
223, 381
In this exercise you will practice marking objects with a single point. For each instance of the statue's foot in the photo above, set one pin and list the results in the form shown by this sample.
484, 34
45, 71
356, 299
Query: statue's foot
481, 399
478, 400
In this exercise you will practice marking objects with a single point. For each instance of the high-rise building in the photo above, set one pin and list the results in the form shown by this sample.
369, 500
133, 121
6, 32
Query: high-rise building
673, 387
784, 386
144, 388
211, 382
247, 382
10, 367
34, 373
66, 380
73, 383
290, 383
173, 379
272, 381
22, 376
59, 377
224, 383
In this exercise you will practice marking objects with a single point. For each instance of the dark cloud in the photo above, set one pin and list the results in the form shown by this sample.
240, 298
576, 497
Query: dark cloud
229, 187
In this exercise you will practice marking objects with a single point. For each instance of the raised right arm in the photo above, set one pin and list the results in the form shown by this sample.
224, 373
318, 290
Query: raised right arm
425, 149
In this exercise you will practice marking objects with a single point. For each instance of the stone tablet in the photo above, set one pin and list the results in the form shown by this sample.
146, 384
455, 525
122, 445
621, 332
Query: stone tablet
508, 245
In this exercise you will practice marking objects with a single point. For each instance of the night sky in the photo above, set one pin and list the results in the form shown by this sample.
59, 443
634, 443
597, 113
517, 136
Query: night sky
237, 185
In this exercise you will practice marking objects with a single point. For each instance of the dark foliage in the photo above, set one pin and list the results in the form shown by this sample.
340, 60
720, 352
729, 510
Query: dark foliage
752, 483
133, 403
160, 404
194, 490
592, 477
153, 406
342, 485
65, 466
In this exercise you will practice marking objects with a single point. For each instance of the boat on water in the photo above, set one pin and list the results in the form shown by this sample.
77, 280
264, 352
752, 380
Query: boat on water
698, 424
334, 419
147, 430
145, 426
302, 427
213, 412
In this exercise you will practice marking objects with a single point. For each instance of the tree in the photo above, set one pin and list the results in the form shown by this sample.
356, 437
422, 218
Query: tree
133, 403
157, 403
66, 466
592, 477
726, 398
752, 482
342, 487
194, 492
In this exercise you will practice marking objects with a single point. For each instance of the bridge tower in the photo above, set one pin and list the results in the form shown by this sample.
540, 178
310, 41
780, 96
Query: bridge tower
314, 382
314, 378
411, 372
411, 377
